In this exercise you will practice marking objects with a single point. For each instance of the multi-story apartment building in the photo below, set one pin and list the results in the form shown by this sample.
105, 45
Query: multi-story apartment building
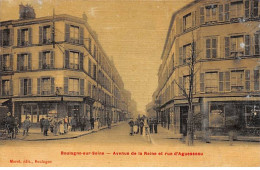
226, 40
55, 65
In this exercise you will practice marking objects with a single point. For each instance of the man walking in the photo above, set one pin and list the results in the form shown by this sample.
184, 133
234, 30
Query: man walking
141, 124
41, 123
26, 126
46, 125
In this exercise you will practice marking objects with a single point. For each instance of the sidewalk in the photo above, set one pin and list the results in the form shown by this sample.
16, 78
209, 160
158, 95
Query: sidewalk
169, 134
36, 135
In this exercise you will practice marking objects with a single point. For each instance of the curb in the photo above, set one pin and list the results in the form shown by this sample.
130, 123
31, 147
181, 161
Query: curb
72, 137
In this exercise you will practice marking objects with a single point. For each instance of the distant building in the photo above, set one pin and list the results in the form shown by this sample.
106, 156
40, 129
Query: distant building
55, 66
226, 36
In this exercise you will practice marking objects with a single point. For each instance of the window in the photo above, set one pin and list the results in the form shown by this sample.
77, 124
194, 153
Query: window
211, 13
23, 62
256, 79
89, 66
237, 80
252, 115
186, 53
73, 86
236, 9
47, 60
46, 86
25, 37
89, 89
74, 33
25, 87
237, 46
187, 21
6, 37
217, 116
47, 34
7, 62
186, 84
211, 82
94, 71
74, 60
257, 44
255, 8
211, 47
6, 88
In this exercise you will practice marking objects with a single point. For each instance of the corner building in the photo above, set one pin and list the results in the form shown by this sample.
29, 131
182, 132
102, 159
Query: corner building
55, 65
226, 38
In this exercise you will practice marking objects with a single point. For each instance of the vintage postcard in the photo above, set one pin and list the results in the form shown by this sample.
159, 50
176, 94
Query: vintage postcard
129, 83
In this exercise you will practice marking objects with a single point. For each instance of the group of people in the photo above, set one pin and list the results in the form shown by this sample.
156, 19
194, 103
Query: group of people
11, 125
141, 125
63, 125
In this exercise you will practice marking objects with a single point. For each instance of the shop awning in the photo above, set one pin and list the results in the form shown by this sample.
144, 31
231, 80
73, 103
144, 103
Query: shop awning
36, 99
3, 101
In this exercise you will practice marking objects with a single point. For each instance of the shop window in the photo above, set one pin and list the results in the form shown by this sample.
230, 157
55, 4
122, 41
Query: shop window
237, 80
211, 82
236, 9
252, 116
31, 111
211, 12
73, 86
217, 116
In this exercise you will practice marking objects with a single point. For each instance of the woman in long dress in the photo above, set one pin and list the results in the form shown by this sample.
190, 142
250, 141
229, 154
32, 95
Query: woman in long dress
62, 127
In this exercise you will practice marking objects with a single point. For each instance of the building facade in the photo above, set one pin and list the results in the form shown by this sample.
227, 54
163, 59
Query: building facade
55, 66
224, 37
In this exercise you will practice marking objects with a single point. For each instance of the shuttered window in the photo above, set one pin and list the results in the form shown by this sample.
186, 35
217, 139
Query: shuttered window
257, 43
227, 12
202, 17
24, 62
220, 13
66, 85
25, 87
227, 81
202, 83
256, 79
227, 48
221, 81
247, 80
82, 84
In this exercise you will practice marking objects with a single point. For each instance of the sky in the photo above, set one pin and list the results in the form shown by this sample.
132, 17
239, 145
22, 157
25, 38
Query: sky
132, 32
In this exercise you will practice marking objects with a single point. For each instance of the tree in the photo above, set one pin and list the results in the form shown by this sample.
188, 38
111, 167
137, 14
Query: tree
188, 93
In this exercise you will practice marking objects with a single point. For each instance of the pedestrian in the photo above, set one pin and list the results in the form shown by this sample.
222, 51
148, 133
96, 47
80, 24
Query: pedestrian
16, 125
73, 124
51, 124
155, 124
99, 123
55, 128
109, 123
61, 122
150, 123
66, 122
41, 124
26, 126
82, 124
46, 125
10, 125
131, 124
92, 120
141, 124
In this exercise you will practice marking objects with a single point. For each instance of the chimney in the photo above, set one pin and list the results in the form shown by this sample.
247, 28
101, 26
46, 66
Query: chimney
26, 12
